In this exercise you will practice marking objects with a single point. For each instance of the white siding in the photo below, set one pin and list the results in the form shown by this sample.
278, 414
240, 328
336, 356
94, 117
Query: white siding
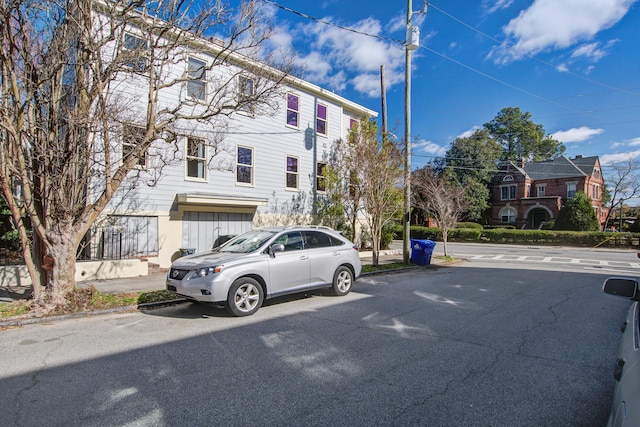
271, 140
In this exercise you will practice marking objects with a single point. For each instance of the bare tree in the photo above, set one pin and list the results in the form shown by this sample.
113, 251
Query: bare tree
373, 169
91, 91
445, 199
623, 182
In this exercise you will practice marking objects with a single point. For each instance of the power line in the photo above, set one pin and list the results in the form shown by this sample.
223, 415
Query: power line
461, 64
333, 24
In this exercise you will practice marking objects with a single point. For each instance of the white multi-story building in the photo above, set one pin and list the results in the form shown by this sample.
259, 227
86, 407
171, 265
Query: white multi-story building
263, 169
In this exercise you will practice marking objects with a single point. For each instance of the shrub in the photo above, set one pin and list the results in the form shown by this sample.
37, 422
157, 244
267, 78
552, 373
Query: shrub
473, 225
430, 233
464, 234
577, 214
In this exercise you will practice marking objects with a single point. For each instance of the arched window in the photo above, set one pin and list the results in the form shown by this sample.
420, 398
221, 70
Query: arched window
508, 215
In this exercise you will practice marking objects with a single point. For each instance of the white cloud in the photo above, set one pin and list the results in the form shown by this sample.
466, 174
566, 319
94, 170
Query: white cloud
334, 54
280, 40
498, 5
591, 50
576, 134
554, 24
428, 147
368, 84
634, 142
610, 159
468, 133
397, 23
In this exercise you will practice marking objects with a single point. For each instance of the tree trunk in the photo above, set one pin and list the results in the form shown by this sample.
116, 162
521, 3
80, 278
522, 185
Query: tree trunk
376, 231
445, 236
62, 278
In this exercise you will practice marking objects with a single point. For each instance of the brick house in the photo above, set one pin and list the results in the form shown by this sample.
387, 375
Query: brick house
527, 195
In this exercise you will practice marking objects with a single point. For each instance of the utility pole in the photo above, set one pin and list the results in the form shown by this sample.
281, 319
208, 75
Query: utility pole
411, 44
383, 90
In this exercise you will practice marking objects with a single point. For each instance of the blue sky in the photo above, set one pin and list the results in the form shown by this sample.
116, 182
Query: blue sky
573, 64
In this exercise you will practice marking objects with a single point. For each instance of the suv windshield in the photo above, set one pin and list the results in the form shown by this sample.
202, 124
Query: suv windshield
247, 242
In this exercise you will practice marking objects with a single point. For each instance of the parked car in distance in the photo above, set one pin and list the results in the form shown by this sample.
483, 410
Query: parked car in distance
625, 407
266, 263
223, 239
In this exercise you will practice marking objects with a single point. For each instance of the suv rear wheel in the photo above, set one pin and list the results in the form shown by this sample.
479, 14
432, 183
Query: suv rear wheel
342, 281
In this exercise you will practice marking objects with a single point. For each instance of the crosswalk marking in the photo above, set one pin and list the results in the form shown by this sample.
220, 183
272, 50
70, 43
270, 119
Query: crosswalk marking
552, 260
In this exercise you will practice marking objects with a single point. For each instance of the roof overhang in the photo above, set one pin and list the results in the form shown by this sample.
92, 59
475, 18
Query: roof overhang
218, 202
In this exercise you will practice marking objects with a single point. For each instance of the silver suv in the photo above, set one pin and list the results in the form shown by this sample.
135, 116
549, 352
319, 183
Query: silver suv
267, 263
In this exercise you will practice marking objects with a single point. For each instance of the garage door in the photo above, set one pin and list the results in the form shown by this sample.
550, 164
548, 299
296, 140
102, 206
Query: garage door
201, 229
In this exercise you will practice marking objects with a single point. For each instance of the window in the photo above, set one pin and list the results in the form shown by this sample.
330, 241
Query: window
528, 190
508, 192
246, 93
292, 241
136, 51
321, 119
292, 173
540, 190
317, 239
132, 137
321, 184
196, 86
196, 158
571, 190
244, 165
508, 215
595, 192
293, 110
353, 123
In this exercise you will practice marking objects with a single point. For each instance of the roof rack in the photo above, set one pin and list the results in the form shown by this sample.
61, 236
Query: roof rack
320, 227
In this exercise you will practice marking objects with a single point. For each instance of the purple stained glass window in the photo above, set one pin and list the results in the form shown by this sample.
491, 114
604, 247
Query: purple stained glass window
293, 111
321, 119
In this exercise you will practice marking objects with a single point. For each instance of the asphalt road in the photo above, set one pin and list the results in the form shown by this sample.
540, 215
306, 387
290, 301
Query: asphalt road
470, 345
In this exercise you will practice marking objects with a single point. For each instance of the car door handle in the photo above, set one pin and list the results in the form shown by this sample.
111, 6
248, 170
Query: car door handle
336, 253
304, 258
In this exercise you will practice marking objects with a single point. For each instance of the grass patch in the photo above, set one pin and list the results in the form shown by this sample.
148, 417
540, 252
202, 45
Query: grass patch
13, 309
90, 299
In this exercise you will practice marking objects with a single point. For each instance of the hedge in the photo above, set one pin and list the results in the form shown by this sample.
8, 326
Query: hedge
538, 237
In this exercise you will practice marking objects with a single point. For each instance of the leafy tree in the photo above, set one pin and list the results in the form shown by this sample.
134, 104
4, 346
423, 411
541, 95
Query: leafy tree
444, 198
372, 169
521, 138
577, 214
330, 206
64, 114
472, 161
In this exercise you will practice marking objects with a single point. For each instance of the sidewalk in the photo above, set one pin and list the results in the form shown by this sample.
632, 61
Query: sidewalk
156, 281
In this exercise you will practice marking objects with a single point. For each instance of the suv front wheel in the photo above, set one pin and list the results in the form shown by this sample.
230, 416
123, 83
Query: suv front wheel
245, 297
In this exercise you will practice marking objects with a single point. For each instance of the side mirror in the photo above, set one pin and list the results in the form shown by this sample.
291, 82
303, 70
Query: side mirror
276, 247
623, 287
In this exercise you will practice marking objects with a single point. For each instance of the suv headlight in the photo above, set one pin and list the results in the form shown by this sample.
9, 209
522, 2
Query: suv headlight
202, 272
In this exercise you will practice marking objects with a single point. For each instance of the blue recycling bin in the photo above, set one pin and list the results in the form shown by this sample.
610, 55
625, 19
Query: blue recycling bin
421, 251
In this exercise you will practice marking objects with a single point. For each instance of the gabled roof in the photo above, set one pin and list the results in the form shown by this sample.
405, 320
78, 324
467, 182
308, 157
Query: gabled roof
586, 164
561, 167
